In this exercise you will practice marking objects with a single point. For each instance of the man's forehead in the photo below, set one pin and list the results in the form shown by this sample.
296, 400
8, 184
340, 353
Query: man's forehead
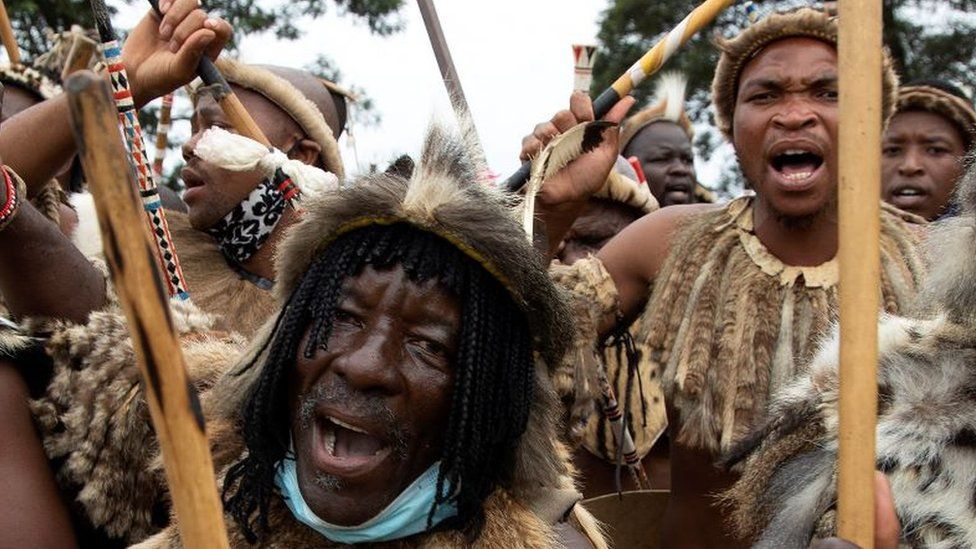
801, 58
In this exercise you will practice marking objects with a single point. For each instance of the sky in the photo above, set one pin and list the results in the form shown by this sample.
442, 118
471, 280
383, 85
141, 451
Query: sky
513, 57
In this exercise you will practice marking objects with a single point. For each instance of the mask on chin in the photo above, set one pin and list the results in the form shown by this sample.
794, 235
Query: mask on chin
241, 232
405, 516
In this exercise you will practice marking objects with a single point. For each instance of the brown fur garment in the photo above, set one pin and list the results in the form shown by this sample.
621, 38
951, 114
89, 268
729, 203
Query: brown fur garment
926, 431
728, 324
215, 287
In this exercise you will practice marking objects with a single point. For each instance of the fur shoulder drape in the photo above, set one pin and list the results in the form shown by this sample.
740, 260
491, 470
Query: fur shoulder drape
727, 323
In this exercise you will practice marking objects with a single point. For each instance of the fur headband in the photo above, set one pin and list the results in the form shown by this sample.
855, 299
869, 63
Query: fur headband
287, 97
445, 196
930, 99
668, 105
738, 51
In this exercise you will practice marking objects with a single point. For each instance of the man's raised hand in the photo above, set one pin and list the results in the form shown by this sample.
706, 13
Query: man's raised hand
162, 53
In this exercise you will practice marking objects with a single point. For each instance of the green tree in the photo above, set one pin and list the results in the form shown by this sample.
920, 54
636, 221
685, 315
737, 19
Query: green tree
926, 38
30, 18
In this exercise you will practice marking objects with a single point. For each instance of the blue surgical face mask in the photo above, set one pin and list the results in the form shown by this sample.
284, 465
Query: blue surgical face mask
404, 516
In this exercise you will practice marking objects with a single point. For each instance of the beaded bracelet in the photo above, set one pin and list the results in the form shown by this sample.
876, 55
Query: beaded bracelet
15, 191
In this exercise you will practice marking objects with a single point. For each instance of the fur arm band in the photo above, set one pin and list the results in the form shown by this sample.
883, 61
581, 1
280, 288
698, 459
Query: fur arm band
594, 298
94, 420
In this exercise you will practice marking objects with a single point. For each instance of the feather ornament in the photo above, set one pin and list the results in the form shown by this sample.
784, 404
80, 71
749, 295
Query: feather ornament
563, 149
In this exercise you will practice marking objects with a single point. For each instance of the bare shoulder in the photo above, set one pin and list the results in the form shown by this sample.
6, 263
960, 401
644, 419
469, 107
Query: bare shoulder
634, 257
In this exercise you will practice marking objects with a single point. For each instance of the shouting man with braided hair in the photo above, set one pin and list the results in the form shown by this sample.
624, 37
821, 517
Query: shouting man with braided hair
400, 395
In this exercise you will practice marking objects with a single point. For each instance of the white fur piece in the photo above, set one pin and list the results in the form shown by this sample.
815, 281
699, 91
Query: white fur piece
240, 154
670, 89
562, 150
87, 235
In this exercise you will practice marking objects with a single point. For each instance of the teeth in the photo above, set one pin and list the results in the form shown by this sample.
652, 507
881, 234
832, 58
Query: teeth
799, 176
794, 151
330, 440
347, 426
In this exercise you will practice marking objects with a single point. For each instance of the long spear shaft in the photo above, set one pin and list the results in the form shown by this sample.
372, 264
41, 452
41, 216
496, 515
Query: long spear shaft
173, 404
647, 65
448, 73
129, 117
859, 53
7, 35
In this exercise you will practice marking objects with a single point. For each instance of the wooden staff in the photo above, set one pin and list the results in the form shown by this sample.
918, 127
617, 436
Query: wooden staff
647, 65
162, 133
7, 35
860, 68
173, 403
129, 118
79, 56
449, 74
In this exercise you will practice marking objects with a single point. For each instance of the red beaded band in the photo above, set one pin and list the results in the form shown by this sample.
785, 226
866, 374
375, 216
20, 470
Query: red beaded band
12, 204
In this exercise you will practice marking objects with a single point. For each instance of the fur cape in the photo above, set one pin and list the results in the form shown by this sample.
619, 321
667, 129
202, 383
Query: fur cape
95, 423
926, 431
727, 323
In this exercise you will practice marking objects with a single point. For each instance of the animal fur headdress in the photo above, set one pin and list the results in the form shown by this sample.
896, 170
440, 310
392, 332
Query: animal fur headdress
668, 105
443, 195
289, 99
738, 51
954, 107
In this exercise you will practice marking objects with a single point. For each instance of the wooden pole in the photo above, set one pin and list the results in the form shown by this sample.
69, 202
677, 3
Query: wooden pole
449, 73
79, 56
173, 404
859, 144
7, 35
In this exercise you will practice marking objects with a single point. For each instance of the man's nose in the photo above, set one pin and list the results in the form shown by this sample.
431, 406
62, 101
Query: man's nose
910, 164
190, 145
797, 114
680, 167
370, 364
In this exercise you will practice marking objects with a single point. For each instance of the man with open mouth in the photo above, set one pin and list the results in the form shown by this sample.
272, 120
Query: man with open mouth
400, 396
729, 300
924, 147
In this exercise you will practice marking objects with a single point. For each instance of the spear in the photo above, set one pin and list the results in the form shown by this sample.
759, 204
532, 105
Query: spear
646, 66
859, 56
129, 117
448, 73
173, 405
7, 35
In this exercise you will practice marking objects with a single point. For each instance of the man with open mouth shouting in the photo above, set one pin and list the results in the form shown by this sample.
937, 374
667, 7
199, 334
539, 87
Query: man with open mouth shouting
729, 300
401, 394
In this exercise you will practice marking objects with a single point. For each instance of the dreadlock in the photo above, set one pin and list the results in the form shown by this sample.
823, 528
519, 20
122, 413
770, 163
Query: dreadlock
493, 372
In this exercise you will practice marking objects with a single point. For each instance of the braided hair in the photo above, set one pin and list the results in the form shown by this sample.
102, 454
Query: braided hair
493, 372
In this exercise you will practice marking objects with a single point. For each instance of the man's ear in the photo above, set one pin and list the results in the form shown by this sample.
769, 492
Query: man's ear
307, 151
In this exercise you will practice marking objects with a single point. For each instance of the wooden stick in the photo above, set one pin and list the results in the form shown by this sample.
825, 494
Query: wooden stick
173, 404
859, 143
162, 134
449, 74
648, 64
7, 35
79, 56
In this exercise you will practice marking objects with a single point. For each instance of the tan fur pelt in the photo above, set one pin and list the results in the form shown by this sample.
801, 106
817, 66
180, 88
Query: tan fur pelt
727, 323
95, 422
736, 52
48, 201
214, 286
926, 436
